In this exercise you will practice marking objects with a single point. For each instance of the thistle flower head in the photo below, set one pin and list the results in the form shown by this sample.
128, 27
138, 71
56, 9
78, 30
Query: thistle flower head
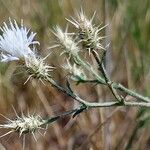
37, 67
87, 32
66, 42
24, 124
75, 72
15, 42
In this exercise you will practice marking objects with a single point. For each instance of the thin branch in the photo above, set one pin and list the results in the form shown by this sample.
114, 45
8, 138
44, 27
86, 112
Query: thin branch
94, 104
130, 92
120, 87
52, 119
106, 77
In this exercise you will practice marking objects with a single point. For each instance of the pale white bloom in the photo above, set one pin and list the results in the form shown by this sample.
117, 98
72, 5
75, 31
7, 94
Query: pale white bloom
15, 42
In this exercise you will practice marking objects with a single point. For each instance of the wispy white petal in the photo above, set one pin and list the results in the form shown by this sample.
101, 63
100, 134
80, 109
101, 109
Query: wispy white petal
15, 41
7, 58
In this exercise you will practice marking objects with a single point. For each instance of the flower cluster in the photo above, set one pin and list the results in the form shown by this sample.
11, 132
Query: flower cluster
15, 45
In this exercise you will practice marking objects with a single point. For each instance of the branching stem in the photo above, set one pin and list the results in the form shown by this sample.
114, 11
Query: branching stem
106, 77
94, 104
118, 86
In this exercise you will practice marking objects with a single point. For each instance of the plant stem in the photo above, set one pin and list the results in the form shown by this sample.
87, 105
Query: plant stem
94, 104
90, 69
117, 86
130, 92
106, 77
77, 98
52, 119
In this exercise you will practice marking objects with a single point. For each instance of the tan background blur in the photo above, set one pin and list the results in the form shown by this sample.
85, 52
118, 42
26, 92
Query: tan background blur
128, 62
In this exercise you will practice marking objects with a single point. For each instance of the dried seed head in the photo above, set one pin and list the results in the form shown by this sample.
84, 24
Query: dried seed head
87, 32
24, 124
76, 73
66, 42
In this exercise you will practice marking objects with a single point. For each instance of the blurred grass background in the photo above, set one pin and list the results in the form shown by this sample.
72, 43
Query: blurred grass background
128, 62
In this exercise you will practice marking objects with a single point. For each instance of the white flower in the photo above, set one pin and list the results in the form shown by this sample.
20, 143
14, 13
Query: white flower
15, 42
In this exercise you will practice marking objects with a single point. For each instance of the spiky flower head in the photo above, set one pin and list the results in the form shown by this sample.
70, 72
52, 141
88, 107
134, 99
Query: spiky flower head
15, 42
66, 42
23, 125
87, 32
75, 72
37, 68
82, 23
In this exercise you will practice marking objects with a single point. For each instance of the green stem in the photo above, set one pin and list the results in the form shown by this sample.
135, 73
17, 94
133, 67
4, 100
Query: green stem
90, 69
130, 92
